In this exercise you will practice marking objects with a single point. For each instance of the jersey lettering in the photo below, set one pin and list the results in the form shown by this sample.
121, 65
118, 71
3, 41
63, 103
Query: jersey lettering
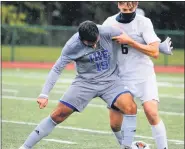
101, 59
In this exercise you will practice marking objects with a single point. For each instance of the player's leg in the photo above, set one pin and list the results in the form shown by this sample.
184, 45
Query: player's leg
46, 126
126, 105
75, 99
116, 118
150, 105
120, 99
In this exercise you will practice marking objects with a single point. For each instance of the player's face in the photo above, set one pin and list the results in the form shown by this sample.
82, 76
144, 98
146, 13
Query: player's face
91, 44
124, 8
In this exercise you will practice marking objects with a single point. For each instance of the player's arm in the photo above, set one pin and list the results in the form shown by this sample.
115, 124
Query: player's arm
151, 48
52, 78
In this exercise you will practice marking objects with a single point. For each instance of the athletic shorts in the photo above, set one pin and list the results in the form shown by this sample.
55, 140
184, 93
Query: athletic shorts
80, 93
146, 90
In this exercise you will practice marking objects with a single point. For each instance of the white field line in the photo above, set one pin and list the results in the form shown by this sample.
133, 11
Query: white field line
171, 96
89, 105
58, 91
10, 90
88, 130
41, 75
59, 141
61, 89
69, 80
36, 75
171, 79
167, 84
33, 85
161, 95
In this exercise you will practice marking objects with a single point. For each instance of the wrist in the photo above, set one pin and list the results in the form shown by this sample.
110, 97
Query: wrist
43, 96
131, 42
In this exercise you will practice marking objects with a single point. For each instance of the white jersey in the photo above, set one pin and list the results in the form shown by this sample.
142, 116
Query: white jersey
135, 66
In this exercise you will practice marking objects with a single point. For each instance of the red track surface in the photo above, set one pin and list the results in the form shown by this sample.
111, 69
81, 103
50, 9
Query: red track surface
160, 69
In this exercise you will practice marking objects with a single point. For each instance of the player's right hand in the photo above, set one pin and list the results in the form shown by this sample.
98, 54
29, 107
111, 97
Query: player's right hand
42, 102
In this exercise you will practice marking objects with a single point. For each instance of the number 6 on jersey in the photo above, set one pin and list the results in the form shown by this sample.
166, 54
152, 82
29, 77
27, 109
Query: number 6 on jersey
124, 48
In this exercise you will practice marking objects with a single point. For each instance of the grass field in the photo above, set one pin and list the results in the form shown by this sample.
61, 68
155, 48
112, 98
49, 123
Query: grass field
50, 54
86, 130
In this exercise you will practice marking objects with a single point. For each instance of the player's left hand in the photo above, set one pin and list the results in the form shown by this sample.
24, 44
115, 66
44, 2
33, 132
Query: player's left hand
166, 47
122, 39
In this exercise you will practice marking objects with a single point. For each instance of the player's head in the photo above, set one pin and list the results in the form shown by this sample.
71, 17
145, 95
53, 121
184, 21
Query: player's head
127, 11
89, 33
127, 7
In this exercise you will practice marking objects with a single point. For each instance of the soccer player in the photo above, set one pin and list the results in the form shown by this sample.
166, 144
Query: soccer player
137, 72
96, 62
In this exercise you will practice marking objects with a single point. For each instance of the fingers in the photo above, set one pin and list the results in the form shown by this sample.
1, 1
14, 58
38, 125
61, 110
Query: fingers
170, 43
114, 38
42, 104
117, 39
168, 39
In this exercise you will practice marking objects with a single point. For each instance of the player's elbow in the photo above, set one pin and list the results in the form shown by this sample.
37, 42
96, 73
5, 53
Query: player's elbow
156, 54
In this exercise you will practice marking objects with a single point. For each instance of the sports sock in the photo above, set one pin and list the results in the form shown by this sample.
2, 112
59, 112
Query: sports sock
128, 129
159, 134
118, 136
43, 129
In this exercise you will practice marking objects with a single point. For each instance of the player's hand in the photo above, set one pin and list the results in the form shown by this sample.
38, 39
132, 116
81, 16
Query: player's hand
42, 102
123, 39
166, 47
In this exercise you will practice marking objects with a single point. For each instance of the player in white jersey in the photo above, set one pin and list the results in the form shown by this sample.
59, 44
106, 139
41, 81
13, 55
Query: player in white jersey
137, 72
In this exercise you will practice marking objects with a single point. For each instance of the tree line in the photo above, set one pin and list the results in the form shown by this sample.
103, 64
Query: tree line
164, 15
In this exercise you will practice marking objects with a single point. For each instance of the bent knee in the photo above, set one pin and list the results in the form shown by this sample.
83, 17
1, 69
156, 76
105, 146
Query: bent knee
131, 109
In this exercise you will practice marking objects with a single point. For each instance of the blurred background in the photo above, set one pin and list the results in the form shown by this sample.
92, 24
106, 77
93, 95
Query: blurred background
30, 29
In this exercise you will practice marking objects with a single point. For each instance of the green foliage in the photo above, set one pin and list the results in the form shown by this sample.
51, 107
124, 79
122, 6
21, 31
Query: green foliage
11, 16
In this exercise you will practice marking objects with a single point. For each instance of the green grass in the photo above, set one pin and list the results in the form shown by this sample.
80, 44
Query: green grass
27, 83
50, 54
33, 54
176, 59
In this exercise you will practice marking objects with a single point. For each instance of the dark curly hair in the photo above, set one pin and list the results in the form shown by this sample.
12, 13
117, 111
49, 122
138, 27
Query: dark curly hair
88, 31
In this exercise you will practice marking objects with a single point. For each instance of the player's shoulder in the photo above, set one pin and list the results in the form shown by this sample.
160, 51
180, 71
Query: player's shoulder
74, 41
142, 18
104, 29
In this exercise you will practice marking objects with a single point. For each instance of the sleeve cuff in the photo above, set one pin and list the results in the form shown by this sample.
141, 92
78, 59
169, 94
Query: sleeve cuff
43, 96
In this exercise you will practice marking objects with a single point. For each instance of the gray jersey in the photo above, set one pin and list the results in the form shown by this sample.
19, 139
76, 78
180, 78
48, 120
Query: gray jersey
134, 65
93, 65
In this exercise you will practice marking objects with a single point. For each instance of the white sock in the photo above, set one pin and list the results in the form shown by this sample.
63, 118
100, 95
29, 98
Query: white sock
43, 129
118, 136
159, 134
128, 129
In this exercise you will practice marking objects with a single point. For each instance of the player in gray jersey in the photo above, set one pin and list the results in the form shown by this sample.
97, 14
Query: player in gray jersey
136, 70
93, 50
